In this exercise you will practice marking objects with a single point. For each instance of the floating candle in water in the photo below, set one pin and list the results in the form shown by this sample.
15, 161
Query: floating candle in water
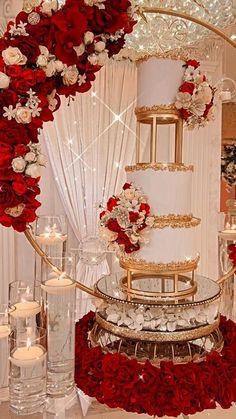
26, 309
58, 284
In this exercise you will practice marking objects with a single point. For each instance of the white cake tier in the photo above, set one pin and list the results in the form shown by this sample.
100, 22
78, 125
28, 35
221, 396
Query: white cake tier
168, 190
169, 245
159, 81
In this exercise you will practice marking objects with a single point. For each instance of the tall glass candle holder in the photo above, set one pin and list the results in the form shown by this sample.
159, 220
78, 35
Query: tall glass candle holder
4, 351
27, 378
26, 299
59, 305
51, 230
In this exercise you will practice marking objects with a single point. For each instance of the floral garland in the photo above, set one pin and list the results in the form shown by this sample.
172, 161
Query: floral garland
228, 165
126, 219
45, 53
171, 390
195, 100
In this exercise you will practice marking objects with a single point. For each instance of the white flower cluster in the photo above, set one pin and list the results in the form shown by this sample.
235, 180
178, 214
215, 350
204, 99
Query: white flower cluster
159, 319
98, 3
49, 6
51, 66
24, 114
196, 102
31, 163
18, 30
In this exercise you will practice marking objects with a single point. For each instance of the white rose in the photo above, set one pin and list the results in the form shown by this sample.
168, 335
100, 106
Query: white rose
42, 160
100, 46
70, 75
93, 59
42, 61
59, 66
204, 93
88, 37
13, 56
4, 81
79, 49
52, 101
50, 70
29, 157
107, 234
129, 194
23, 115
33, 170
18, 164
44, 51
49, 6
103, 58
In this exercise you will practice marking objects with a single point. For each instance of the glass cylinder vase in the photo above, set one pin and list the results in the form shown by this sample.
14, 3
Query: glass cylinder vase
26, 301
59, 306
4, 351
27, 378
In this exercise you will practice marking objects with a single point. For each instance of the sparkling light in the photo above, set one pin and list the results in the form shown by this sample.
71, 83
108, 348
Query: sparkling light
161, 32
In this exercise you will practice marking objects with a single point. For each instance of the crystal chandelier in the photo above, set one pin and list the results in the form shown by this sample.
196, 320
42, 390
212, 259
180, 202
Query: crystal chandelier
156, 32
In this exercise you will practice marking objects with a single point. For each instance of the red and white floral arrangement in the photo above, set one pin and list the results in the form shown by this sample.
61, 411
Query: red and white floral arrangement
45, 53
169, 390
126, 219
195, 99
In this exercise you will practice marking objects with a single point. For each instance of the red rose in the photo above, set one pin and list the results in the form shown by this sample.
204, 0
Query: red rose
193, 63
187, 87
40, 76
21, 150
13, 71
112, 202
8, 198
29, 76
123, 239
20, 86
28, 46
133, 217
6, 155
6, 220
185, 114
113, 225
19, 225
102, 214
126, 186
144, 207
13, 133
19, 187
67, 33
7, 97
112, 18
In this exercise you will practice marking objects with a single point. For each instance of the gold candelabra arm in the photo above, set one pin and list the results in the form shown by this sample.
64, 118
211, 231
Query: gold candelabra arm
46, 260
227, 276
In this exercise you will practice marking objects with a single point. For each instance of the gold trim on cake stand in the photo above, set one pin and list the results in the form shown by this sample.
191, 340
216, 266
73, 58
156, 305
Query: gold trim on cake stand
160, 166
144, 335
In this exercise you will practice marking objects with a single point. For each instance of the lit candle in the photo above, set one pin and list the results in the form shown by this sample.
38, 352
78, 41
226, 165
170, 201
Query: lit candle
58, 284
26, 309
28, 356
4, 331
51, 236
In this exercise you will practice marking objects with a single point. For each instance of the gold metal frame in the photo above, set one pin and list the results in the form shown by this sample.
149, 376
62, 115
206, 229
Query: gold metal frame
178, 336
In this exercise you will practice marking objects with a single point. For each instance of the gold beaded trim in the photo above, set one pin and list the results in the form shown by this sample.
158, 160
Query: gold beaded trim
176, 221
132, 264
15, 211
177, 55
171, 167
142, 335
157, 108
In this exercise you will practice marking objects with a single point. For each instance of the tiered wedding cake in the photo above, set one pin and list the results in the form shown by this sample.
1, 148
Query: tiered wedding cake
159, 301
